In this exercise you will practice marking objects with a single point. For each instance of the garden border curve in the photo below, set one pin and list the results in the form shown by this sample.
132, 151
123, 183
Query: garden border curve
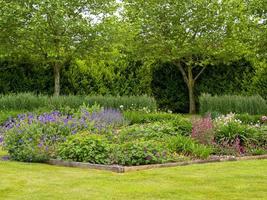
123, 169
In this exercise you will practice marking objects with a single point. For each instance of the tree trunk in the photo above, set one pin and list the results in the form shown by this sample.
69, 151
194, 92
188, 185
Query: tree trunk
190, 82
56, 79
191, 86
192, 102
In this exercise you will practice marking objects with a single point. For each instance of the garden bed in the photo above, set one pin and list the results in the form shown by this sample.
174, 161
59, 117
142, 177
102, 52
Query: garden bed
124, 169
109, 139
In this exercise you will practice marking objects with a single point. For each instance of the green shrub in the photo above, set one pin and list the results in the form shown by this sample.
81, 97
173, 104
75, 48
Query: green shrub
30, 102
156, 130
5, 115
140, 153
187, 146
249, 119
150, 131
137, 117
182, 125
85, 147
237, 104
173, 137
229, 132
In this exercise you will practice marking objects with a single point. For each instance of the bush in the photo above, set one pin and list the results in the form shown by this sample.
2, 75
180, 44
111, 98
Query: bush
185, 145
203, 130
135, 117
26, 137
173, 137
30, 102
34, 143
85, 147
232, 134
249, 119
156, 130
237, 104
6, 115
140, 153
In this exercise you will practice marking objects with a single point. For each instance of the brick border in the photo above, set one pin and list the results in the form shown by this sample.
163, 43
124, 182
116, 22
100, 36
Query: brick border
123, 169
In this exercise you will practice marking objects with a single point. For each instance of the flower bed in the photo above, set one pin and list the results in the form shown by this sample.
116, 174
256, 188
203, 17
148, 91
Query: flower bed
105, 137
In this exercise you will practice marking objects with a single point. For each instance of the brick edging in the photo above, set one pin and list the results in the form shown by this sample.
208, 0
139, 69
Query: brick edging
123, 169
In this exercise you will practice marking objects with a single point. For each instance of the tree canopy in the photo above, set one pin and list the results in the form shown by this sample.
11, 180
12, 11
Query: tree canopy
189, 34
55, 30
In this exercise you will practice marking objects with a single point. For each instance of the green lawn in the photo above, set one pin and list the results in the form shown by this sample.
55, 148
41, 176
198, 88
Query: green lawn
229, 181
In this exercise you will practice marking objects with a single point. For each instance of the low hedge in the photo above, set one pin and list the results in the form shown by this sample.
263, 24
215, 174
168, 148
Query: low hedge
253, 105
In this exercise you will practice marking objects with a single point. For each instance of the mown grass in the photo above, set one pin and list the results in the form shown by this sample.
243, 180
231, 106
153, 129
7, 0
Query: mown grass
220, 181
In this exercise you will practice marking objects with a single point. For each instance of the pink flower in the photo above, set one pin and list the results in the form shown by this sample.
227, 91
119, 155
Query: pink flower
264, 119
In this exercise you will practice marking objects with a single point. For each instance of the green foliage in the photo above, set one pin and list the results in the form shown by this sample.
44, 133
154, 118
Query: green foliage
141, 152
229, 132
121, 77
57, 30
174, 122
144, 103
249, 119
24, 74
28, 101
85, 147
185, 145
170, 91
168, 88
5, 115
227, 78
232, 103
27, 143
137, 117
170, 133
156, 130
191, 41
259, 83
234, 137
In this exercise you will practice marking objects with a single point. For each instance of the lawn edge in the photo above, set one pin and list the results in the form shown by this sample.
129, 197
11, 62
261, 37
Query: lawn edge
124, 169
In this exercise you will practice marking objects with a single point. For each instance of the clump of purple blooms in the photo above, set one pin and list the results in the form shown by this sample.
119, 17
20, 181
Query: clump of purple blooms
97, 121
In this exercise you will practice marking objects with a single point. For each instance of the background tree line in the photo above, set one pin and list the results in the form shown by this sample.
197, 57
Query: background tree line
172, 50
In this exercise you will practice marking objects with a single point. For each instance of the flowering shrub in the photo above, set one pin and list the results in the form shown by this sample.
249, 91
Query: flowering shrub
34, 137
232, 133
264, 119
203, 130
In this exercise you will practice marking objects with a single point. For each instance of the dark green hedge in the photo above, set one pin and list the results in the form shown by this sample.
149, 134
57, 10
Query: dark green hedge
163, 80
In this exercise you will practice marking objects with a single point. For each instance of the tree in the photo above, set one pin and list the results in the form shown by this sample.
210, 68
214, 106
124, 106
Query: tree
54, 31
189, 34
258, 12
258, 15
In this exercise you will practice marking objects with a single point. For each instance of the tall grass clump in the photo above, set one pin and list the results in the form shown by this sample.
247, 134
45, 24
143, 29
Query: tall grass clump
232, 103
30, 102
